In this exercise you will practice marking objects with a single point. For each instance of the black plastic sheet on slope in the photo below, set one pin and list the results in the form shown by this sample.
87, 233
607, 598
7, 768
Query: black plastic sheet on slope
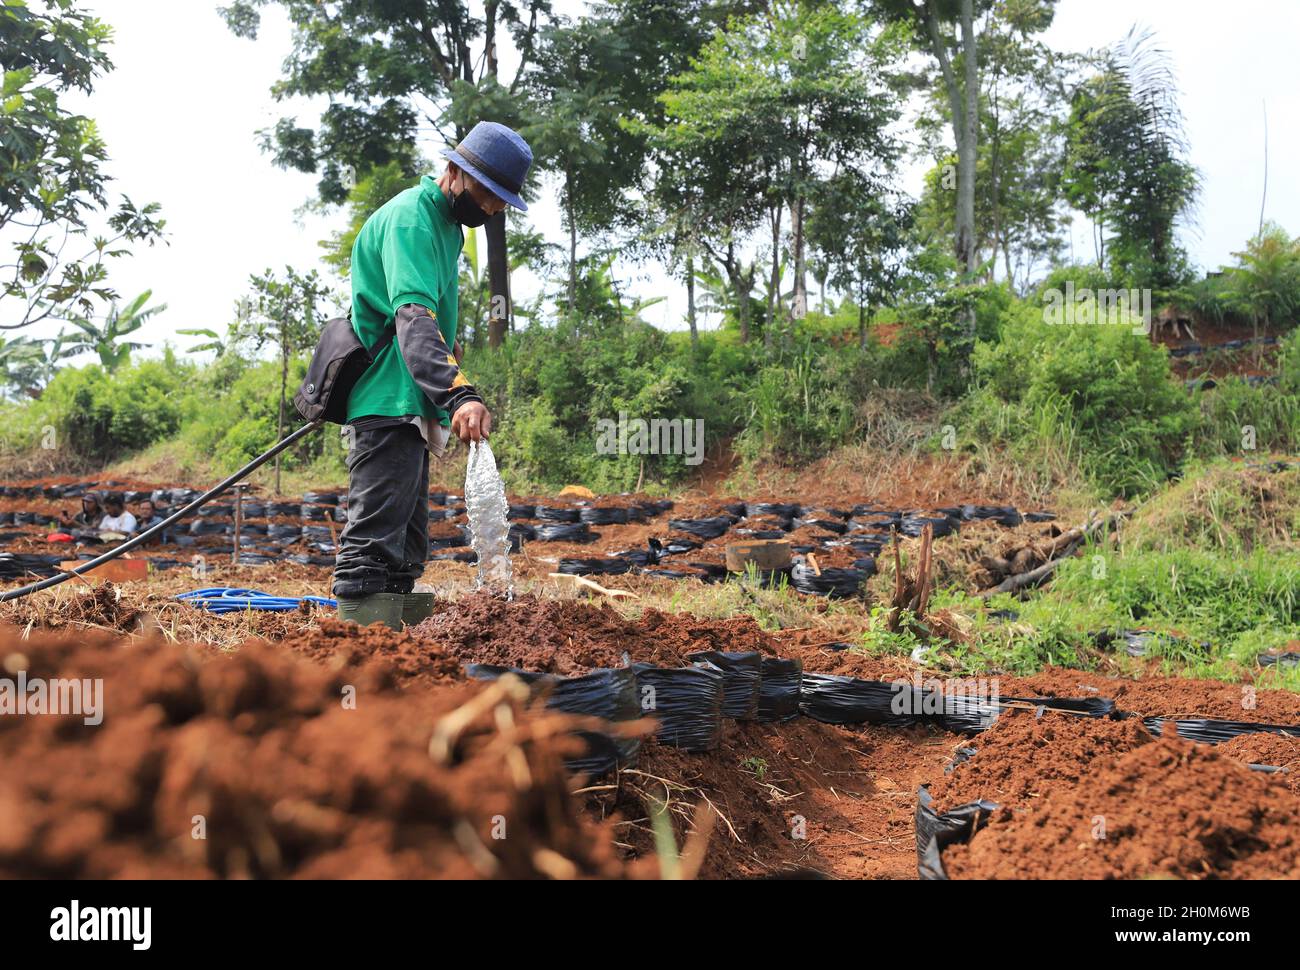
836, 699
780, 683
609, 694
967, 714
1288, 658
936, 831
16, 565
687, 702
742, 674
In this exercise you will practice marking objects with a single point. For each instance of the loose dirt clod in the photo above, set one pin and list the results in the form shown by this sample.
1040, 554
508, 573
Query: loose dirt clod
261, 764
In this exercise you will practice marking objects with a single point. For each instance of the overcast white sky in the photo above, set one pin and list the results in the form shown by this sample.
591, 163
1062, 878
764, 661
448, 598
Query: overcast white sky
180, 111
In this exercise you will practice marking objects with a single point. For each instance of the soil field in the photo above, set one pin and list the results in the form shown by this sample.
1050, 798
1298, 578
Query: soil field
302, 747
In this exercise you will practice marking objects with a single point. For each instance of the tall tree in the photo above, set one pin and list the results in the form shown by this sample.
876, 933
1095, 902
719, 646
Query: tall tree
1126, 162
861, 231
386, 67
946, 29
769, 108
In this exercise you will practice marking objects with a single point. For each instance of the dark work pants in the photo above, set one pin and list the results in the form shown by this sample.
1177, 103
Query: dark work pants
385, 544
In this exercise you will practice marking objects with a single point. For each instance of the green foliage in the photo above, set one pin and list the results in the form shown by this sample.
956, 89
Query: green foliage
1238, 418
1125, 163
1100, 393
799, 406
51, 177
106, 339
101, 416
370, 192
1266, 279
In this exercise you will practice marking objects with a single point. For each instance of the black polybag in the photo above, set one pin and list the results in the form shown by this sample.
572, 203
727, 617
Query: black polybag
687, 702
742, 673
970, 715
565, 532
778, 689
848, 700
602, 515
548, 513
607, 693
835, 583
936, 831
781, 510
703, 528
594, 567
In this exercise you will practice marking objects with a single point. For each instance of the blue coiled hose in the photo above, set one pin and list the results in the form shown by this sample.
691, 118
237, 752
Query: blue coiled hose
229, 599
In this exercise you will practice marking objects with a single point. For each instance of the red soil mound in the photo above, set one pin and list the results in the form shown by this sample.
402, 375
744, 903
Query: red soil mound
570, 637
1022, 756
258, 750
338, 645
1166, 809
1165, 696
1264, 749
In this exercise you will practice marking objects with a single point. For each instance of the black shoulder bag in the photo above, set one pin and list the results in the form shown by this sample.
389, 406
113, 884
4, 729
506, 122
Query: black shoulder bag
336, 365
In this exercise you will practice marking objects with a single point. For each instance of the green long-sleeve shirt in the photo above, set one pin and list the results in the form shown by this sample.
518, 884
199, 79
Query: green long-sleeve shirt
406, 253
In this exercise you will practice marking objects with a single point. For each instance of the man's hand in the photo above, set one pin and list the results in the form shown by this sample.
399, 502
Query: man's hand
471, 422
457, 351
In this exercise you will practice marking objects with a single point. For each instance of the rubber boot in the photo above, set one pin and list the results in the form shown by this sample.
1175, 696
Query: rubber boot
385, 608
417, 607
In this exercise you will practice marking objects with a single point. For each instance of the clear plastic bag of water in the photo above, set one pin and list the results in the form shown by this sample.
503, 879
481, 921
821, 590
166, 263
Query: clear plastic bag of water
485, 501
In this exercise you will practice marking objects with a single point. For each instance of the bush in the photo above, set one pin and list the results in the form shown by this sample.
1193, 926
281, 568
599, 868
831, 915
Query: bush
1101, 393
100, 417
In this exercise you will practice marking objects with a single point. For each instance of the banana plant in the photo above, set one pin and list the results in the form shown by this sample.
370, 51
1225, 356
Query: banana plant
106, 340
27, 365
214, 342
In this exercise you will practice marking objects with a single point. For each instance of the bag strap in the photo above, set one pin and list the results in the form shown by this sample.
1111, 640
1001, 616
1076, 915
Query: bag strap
382, 344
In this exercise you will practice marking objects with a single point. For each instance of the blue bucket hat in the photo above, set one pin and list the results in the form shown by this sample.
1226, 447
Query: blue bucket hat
497, 157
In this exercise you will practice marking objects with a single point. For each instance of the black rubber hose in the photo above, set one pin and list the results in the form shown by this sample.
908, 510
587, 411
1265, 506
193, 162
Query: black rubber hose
136, 540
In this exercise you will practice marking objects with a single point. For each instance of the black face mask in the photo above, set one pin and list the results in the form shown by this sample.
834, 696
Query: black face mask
466, 211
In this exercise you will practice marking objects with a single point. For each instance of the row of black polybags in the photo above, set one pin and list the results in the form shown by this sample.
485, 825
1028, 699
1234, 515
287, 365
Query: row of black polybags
690, 704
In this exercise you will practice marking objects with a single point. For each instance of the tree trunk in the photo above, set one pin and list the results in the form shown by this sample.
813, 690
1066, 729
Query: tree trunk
862, 325
799, 306
969, 138
499, 309
774, 293
742, 284
965, 121
573, 239
690, 298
